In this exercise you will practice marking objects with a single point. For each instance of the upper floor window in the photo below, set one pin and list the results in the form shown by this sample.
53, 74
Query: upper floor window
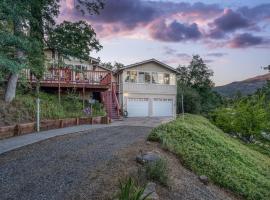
144, 77
150, 77
131, 77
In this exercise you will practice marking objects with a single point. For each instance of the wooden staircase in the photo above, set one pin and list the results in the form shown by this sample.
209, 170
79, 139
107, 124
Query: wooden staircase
110, 101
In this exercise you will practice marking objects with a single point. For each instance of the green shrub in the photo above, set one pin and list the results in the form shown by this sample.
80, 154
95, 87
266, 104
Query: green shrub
205, 149
157, 171
130, 191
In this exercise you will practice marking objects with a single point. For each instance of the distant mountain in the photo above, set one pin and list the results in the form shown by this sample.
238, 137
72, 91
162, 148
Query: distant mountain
246, 87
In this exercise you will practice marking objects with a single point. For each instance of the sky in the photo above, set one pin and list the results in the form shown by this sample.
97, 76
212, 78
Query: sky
232, 36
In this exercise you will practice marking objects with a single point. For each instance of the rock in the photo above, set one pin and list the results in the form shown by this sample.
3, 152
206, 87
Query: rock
204, 179
148, 143
151, 189
147, 157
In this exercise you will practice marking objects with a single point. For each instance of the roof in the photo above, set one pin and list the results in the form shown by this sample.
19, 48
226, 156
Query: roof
148, 61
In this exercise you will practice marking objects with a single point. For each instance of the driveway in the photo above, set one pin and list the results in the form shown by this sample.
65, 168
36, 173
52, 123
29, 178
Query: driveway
53, 168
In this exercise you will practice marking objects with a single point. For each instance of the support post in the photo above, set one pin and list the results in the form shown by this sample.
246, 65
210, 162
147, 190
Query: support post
59, 88
183, 111
38, 114
83, 97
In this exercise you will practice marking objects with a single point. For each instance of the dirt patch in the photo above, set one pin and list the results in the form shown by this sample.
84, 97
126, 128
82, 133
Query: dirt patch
183, 184
14, 113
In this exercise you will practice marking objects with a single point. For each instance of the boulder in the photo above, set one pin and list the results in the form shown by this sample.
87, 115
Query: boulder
151, 189
147, 157
204, 179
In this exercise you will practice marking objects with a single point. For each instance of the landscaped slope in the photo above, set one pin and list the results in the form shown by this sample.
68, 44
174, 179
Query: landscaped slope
23, 108
207, 150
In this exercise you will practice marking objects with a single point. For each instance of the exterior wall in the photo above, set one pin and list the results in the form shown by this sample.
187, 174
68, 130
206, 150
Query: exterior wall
146, 90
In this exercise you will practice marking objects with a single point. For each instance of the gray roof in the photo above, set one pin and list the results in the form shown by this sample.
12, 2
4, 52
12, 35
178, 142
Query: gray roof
147, 61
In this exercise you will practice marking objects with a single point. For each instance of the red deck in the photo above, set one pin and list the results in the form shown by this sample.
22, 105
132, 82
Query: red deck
66, 78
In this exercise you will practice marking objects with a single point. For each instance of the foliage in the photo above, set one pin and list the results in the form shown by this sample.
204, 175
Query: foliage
157, 171
247, 116
115, 66
206, 150
51, 109
194, 82
74, 39
130, 191
191, 98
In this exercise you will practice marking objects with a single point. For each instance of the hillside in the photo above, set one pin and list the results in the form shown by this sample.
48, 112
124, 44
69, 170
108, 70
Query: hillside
207, 150
23, 108
246, 87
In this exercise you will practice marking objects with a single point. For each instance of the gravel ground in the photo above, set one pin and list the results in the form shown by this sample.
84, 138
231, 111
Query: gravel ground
89, 166
52, 169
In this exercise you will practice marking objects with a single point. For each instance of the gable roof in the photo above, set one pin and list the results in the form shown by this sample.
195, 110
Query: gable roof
148, 61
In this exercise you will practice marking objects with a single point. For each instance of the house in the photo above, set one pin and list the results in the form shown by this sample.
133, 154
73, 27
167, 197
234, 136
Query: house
144, 89
147, 89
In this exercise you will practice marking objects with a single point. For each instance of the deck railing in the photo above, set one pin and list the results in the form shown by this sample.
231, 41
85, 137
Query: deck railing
69, 76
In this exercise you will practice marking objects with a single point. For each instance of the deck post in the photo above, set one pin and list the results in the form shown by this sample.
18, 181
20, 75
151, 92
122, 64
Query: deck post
83, 96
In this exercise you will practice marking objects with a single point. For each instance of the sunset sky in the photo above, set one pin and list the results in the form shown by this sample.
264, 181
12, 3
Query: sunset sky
232, 36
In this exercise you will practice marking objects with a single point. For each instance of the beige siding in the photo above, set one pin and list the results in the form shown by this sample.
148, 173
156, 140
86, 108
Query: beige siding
144, 90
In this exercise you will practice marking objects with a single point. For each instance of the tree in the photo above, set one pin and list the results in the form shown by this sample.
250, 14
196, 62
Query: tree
74, 39
13, 41
195, 80
115, 66
19, 49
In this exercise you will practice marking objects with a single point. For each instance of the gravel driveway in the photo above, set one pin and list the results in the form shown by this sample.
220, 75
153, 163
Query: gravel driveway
52, 169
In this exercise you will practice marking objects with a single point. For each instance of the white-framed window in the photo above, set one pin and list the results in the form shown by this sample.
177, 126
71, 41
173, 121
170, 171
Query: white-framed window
131, 76
150, 77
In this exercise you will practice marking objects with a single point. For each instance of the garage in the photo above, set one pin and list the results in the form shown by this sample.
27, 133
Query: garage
137, 107
162, 107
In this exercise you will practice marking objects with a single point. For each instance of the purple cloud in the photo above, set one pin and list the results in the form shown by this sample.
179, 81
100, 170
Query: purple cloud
171, 21
174, 32
245, 40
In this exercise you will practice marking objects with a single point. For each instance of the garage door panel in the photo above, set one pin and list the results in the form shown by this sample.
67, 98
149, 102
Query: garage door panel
162, 107
137, 107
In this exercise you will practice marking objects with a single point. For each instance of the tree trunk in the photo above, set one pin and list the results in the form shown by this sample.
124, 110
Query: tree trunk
11, 88
13, 78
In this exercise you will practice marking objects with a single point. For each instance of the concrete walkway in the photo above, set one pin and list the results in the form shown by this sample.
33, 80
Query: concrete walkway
23, 140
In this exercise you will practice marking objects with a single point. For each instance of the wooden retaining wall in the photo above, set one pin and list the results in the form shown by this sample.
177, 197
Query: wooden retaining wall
25, 128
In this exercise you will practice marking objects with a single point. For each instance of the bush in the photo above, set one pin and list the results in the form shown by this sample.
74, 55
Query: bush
157, 171
130, 191
248, 117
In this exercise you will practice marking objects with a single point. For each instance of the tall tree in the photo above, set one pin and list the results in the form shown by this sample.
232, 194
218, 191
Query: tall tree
13, 41
74, 39
23, 44
195, 81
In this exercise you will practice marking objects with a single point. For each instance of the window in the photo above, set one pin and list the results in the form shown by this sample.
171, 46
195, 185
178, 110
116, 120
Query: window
172, 79
160, 78
147, 78
141, 77
131, 77
154, 77
167, 79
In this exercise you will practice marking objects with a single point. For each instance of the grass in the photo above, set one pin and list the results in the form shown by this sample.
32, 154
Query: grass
129, 190
207, 150
51, 109
23, 108
157, 171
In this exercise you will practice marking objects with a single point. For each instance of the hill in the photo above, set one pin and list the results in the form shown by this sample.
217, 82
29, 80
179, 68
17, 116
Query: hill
246, 87
207, 150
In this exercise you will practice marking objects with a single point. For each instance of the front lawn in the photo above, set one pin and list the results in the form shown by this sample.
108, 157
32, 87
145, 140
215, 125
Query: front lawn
208, 151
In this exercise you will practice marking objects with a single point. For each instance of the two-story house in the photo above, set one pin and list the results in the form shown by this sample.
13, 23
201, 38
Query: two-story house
147, 89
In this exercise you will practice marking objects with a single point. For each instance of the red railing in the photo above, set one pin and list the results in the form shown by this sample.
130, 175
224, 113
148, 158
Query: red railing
69, 76
114, 97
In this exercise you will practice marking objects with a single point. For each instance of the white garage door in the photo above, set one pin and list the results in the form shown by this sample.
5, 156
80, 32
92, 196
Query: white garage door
162, 107
137, 107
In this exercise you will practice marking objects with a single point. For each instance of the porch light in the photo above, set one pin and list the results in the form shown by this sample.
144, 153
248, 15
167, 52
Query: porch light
125, 94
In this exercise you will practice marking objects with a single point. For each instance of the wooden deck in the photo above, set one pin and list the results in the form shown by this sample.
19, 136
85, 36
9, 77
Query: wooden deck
68, 78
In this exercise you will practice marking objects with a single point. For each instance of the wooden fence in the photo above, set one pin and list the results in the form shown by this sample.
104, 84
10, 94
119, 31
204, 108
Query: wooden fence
25, 128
